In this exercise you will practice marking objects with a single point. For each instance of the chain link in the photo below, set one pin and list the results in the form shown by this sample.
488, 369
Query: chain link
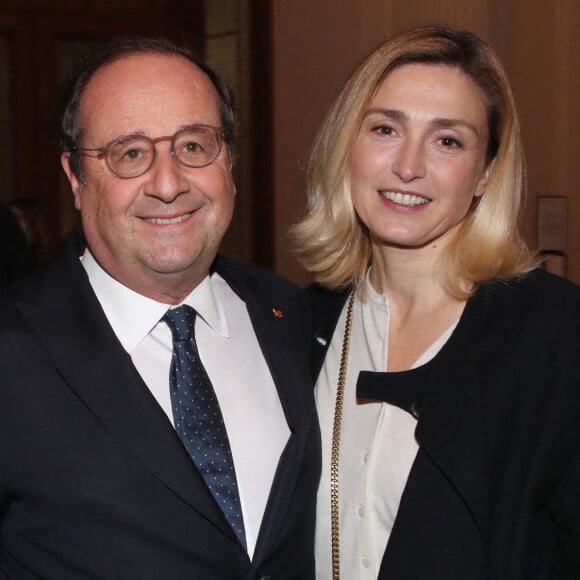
335, 451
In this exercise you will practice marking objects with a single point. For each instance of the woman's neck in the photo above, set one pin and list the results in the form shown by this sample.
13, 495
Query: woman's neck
421, 309
405, 275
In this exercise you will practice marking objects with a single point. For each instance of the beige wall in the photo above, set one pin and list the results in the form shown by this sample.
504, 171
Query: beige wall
317, 45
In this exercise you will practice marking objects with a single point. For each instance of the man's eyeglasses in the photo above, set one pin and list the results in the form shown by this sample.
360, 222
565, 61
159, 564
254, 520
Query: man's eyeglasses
132, 155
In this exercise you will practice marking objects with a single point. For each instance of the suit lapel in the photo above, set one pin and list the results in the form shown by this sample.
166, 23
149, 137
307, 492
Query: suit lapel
69, 322
276, 326
326, 306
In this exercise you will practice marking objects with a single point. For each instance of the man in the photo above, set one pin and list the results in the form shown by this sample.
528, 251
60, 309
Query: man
99, 473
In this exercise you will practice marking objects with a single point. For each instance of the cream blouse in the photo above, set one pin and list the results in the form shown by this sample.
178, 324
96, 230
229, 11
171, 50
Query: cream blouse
377, 450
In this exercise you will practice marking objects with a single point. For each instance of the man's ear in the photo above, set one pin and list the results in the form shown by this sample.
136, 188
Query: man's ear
75, 183
484, 179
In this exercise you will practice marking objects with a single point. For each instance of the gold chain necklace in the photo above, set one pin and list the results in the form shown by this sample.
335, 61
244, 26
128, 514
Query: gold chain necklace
334, 457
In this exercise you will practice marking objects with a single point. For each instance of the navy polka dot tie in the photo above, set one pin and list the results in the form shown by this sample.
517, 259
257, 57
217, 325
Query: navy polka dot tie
198, 419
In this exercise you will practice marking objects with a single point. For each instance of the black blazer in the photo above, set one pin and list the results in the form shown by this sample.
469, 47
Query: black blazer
94, 482
494, 492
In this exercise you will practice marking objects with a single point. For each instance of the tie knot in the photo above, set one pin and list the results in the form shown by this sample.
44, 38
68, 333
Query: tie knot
181, 321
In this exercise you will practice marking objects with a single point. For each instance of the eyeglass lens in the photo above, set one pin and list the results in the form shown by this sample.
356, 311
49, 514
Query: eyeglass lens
194, 147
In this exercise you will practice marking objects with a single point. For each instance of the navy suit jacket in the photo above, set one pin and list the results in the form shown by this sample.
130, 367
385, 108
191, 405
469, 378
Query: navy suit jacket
94, 482
494, 492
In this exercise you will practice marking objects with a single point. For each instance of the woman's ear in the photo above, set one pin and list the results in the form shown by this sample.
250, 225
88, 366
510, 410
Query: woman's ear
484, 179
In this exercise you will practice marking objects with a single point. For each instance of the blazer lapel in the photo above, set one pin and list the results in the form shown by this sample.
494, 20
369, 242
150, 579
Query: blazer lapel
445, 397
69, 322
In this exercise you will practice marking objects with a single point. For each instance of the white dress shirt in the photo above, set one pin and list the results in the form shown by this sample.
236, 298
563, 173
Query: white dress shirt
377, 446
255, 422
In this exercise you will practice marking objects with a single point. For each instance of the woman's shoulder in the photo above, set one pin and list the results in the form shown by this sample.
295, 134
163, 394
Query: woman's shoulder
534, 297
533, 285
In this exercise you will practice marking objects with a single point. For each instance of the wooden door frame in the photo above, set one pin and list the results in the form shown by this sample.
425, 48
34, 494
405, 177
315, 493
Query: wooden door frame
261, 72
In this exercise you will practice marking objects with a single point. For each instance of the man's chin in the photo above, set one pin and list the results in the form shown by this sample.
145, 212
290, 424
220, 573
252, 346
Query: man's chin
176, 264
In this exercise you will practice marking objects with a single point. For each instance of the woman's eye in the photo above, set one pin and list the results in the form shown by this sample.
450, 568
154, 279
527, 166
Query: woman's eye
384, 130
450, 142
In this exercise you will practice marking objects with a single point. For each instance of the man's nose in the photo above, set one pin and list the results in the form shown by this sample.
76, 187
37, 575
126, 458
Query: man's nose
166, 177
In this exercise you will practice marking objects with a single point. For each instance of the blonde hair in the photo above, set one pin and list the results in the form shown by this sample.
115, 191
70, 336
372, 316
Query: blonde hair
331, 240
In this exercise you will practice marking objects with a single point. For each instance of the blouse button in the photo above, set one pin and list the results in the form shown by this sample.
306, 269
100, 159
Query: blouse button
415, 407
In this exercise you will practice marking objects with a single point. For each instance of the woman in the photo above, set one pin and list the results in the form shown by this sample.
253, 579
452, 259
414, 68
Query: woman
449, 395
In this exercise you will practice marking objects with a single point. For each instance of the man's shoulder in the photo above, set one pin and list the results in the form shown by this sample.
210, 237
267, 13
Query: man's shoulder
274, 303
248, 279
51, 281
58, 286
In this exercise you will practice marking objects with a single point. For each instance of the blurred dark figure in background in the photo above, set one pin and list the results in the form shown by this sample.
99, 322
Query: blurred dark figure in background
16, 259
28, 212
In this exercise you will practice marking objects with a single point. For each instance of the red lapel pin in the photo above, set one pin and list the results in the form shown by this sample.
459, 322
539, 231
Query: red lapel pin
277, 312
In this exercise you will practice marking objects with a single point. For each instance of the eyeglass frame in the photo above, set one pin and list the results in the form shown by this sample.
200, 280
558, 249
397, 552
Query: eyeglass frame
219, 132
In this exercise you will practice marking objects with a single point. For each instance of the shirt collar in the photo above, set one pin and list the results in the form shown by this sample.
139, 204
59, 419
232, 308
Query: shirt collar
133, 316
374, 296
